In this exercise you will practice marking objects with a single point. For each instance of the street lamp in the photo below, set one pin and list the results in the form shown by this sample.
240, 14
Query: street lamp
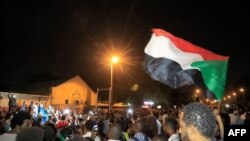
234, 93
243, 91
197, 91
114, 60
197, 94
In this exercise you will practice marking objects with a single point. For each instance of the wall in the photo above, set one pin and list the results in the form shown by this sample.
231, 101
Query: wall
75, 91
20, 98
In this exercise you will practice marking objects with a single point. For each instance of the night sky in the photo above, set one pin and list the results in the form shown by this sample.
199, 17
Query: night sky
58, 39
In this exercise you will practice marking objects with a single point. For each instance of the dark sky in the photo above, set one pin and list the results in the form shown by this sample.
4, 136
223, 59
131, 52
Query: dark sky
58, 39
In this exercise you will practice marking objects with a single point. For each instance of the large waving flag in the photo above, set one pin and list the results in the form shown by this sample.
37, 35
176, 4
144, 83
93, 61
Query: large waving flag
176, 62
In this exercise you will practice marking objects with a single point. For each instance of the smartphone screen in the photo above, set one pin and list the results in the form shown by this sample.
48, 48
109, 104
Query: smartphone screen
95, 127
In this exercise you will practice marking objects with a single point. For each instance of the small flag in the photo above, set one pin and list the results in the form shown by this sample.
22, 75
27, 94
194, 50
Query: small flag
176, 63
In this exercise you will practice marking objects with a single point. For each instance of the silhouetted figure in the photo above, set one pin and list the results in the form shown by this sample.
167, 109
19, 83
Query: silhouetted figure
12, 102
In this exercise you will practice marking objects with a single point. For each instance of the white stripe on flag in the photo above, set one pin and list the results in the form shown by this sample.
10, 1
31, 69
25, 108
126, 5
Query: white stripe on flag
162, 47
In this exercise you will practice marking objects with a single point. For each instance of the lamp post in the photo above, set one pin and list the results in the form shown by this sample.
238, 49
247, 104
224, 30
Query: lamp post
234, 93
243, 91
114, 60
197, 95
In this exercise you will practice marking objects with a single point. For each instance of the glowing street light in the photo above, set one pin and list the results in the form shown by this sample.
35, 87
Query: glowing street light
197, 91
224, 98
242, 90
196, 94
114, 60
234, 93
227, 105
229, 96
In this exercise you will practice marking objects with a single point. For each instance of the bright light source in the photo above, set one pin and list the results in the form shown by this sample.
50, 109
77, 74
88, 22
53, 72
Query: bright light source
227, 105
159, 107
130, 111
91, 112
197, 91
14, 96
129, 104
66, 111
229, 96
134, 87
234, 94
115, 59
224, 98
207, 100
148, 103
174, 106
241, 90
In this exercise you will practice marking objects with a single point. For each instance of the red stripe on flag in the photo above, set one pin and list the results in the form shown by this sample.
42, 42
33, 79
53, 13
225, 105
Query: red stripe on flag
189, 47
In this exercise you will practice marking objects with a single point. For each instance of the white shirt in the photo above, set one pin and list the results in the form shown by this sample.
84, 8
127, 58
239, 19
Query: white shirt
34, 111
158, 126
174, 137
235, 120
89, 134
8, 137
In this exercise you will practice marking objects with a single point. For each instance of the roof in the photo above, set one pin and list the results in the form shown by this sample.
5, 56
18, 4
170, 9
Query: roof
75, 78
40, 88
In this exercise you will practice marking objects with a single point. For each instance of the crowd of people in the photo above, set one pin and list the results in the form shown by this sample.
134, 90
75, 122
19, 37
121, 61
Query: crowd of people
192, 122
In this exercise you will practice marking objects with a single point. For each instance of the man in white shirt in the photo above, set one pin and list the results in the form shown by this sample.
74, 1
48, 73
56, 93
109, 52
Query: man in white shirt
234, 117
158, 123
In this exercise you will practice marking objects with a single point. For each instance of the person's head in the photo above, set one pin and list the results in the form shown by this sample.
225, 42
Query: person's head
79, 130
151, 126
77, 138
30, 134
157, 115
88, 139
63, 117
139, 126
231, 110
159, 138
67, 133
170, 126
48, 133
225, 119
89, 125
52, 126
197, 122
115, 131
